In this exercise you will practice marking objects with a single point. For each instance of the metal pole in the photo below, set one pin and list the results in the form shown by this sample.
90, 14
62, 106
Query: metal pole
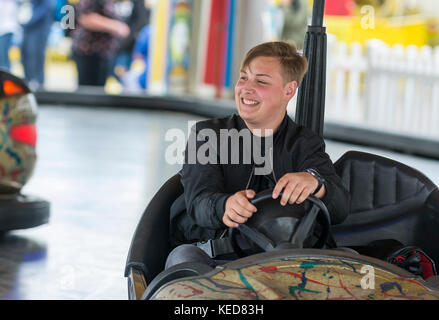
318, 11
310, 109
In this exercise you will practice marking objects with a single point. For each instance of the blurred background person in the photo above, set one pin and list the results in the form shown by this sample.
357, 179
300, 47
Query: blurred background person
135, 80
295, 21
8, 27
36, 29
95, 40
136, 15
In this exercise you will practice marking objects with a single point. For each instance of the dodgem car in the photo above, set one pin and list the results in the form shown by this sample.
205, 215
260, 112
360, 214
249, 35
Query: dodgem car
18, 137
408, 213
387, 247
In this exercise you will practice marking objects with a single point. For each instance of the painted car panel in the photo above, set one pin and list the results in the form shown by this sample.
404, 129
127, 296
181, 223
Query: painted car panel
300, 278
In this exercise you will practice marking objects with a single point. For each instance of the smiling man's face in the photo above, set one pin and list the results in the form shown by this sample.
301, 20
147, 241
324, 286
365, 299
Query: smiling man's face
261, 94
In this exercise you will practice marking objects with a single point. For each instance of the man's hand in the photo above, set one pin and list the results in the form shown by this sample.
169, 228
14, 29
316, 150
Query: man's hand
297, 187
238, 208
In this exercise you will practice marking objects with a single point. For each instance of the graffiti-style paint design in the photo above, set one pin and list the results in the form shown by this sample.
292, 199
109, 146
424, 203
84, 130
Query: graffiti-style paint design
298, 279
17, 141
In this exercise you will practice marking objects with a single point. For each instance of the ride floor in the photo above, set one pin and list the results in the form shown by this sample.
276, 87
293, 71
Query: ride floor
99, 168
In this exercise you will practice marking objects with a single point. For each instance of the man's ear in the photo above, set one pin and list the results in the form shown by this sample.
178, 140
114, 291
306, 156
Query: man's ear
291, 88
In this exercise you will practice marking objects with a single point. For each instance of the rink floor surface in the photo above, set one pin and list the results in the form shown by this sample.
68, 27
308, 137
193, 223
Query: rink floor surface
99, 168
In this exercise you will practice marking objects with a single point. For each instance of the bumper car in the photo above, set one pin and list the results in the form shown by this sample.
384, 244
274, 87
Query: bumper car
18, 109
387, 248
406, 211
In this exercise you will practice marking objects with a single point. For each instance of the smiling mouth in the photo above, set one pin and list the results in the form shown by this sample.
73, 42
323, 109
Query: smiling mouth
249, 102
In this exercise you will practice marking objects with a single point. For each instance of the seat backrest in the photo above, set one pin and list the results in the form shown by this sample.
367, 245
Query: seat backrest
150, 245
381, 189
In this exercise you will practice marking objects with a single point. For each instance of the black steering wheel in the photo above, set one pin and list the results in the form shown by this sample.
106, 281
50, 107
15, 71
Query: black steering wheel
282, 227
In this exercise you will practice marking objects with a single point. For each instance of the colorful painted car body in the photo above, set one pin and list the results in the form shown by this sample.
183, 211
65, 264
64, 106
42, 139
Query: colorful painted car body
309, 275
18, 113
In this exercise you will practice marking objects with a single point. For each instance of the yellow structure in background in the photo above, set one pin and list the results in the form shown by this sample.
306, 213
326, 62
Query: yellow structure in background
392, 21
402, 30
159, 36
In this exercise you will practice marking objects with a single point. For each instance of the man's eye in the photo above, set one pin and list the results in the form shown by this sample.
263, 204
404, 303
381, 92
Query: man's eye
262, 82
243, 78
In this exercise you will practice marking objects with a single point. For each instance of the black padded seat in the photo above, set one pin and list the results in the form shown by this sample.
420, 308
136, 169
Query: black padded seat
150, 245
389, 200
381, 189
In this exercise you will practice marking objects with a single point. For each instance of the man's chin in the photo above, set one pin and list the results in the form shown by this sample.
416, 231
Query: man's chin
246, 116
250, 120
247, 113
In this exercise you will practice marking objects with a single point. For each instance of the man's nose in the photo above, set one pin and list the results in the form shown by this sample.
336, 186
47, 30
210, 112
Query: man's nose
249, 86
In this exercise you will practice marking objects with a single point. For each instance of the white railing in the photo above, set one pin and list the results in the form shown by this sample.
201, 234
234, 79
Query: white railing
394, 89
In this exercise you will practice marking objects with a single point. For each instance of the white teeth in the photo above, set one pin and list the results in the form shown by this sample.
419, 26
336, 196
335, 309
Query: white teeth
249, 101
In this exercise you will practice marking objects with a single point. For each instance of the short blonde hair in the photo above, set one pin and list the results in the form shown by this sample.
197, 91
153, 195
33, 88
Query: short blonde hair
293, 64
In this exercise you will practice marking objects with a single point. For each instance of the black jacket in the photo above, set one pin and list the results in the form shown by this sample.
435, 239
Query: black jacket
197, 214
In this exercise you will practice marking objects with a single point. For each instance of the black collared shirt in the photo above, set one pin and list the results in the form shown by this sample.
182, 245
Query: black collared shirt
197, 214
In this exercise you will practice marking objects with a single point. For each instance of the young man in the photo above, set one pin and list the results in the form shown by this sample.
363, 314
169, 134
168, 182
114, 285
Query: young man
217, 193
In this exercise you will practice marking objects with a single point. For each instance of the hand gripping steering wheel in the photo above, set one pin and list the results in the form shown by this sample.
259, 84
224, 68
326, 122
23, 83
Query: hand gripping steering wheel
280, 227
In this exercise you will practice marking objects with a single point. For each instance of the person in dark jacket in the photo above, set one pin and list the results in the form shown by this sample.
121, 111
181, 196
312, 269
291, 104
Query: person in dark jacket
95, 40
217, 192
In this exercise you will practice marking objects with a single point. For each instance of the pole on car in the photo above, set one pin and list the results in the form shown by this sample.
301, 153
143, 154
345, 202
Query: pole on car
310, 111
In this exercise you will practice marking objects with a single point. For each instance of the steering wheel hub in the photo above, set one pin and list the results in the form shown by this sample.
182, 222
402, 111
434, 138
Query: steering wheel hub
276, 227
